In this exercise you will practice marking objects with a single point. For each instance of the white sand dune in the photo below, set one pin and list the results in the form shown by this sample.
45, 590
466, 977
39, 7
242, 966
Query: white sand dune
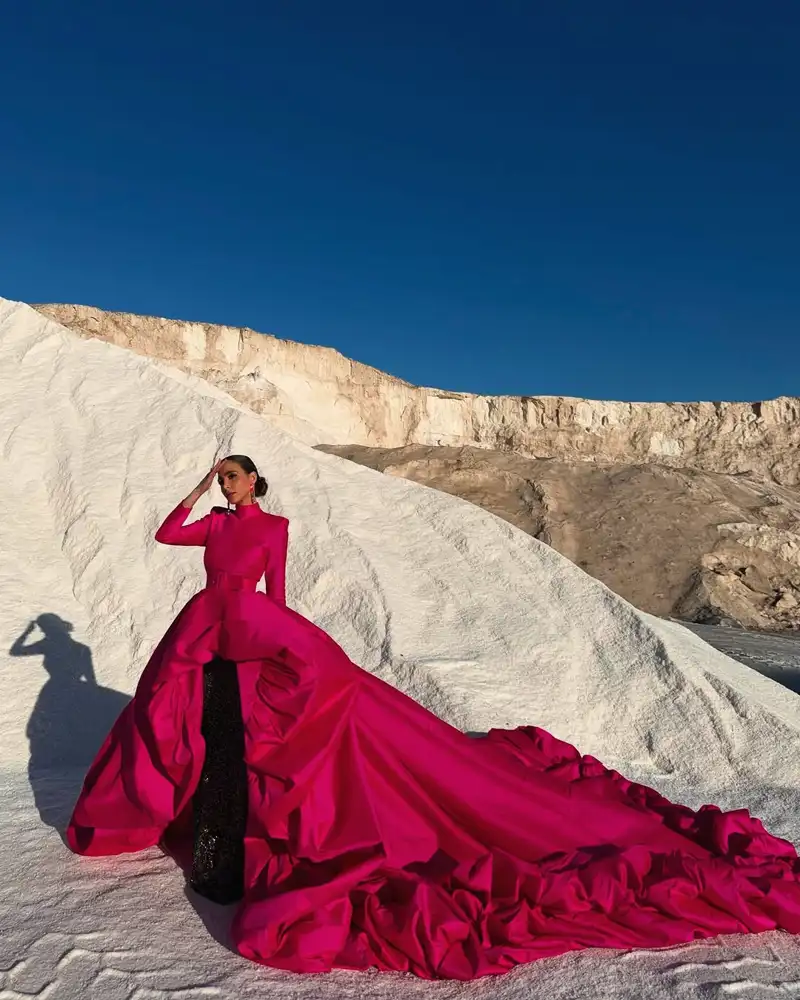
479, 621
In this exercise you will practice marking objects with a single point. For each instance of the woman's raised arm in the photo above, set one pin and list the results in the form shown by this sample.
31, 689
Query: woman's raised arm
173, 531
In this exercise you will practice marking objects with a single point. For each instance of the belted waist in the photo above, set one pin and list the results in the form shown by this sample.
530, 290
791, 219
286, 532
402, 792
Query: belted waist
227, 581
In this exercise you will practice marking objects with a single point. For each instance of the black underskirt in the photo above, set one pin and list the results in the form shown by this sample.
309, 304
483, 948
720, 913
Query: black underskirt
219, 804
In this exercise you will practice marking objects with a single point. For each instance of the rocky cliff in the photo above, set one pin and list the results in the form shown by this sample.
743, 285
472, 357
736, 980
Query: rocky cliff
324, 398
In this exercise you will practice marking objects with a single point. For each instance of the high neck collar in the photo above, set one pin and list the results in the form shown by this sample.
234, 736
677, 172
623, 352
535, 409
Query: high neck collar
246, 510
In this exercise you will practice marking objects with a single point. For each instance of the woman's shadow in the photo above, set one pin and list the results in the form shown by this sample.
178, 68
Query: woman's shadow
70, 720
72, 717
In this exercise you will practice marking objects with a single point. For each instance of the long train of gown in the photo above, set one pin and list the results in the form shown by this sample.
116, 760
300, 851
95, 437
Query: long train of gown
379, 836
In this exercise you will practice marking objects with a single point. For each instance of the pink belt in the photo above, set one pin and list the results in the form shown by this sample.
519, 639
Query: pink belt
227, 581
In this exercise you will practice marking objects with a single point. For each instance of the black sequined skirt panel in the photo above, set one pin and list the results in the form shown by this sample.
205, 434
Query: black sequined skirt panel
219, 804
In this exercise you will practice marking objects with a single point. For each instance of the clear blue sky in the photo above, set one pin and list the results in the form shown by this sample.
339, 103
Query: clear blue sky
586, 197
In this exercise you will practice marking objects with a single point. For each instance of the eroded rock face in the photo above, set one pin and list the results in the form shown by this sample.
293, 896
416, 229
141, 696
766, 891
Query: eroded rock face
324, 398
696, 545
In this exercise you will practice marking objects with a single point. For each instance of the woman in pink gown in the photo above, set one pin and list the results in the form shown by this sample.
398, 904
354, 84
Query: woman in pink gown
358, 830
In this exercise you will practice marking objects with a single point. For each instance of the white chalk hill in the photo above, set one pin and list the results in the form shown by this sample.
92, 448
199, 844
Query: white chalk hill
472, 617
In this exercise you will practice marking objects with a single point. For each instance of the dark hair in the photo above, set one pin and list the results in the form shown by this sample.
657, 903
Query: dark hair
250, 466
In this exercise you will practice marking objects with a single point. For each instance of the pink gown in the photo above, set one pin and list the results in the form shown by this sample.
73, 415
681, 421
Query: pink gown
378, 835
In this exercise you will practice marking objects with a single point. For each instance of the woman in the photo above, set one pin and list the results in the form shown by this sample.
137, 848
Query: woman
360, 830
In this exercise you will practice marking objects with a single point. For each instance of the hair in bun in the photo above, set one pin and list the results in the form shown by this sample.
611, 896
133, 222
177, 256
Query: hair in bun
249, 466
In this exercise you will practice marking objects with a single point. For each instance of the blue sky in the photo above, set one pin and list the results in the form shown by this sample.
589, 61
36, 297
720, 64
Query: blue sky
591, 198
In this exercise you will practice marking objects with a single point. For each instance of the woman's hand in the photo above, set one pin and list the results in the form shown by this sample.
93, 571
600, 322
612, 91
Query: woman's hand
204, 485
207, 481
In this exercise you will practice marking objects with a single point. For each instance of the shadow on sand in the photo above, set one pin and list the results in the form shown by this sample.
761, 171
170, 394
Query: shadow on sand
70, 720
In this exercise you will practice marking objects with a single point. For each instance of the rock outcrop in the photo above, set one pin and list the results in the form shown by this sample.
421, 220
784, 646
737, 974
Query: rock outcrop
317, 394
695, 545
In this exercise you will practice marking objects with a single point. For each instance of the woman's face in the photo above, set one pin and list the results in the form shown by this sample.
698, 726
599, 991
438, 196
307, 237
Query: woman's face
234, 482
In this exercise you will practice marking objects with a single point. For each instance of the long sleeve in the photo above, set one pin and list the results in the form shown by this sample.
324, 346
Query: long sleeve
275, 573
174, 532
